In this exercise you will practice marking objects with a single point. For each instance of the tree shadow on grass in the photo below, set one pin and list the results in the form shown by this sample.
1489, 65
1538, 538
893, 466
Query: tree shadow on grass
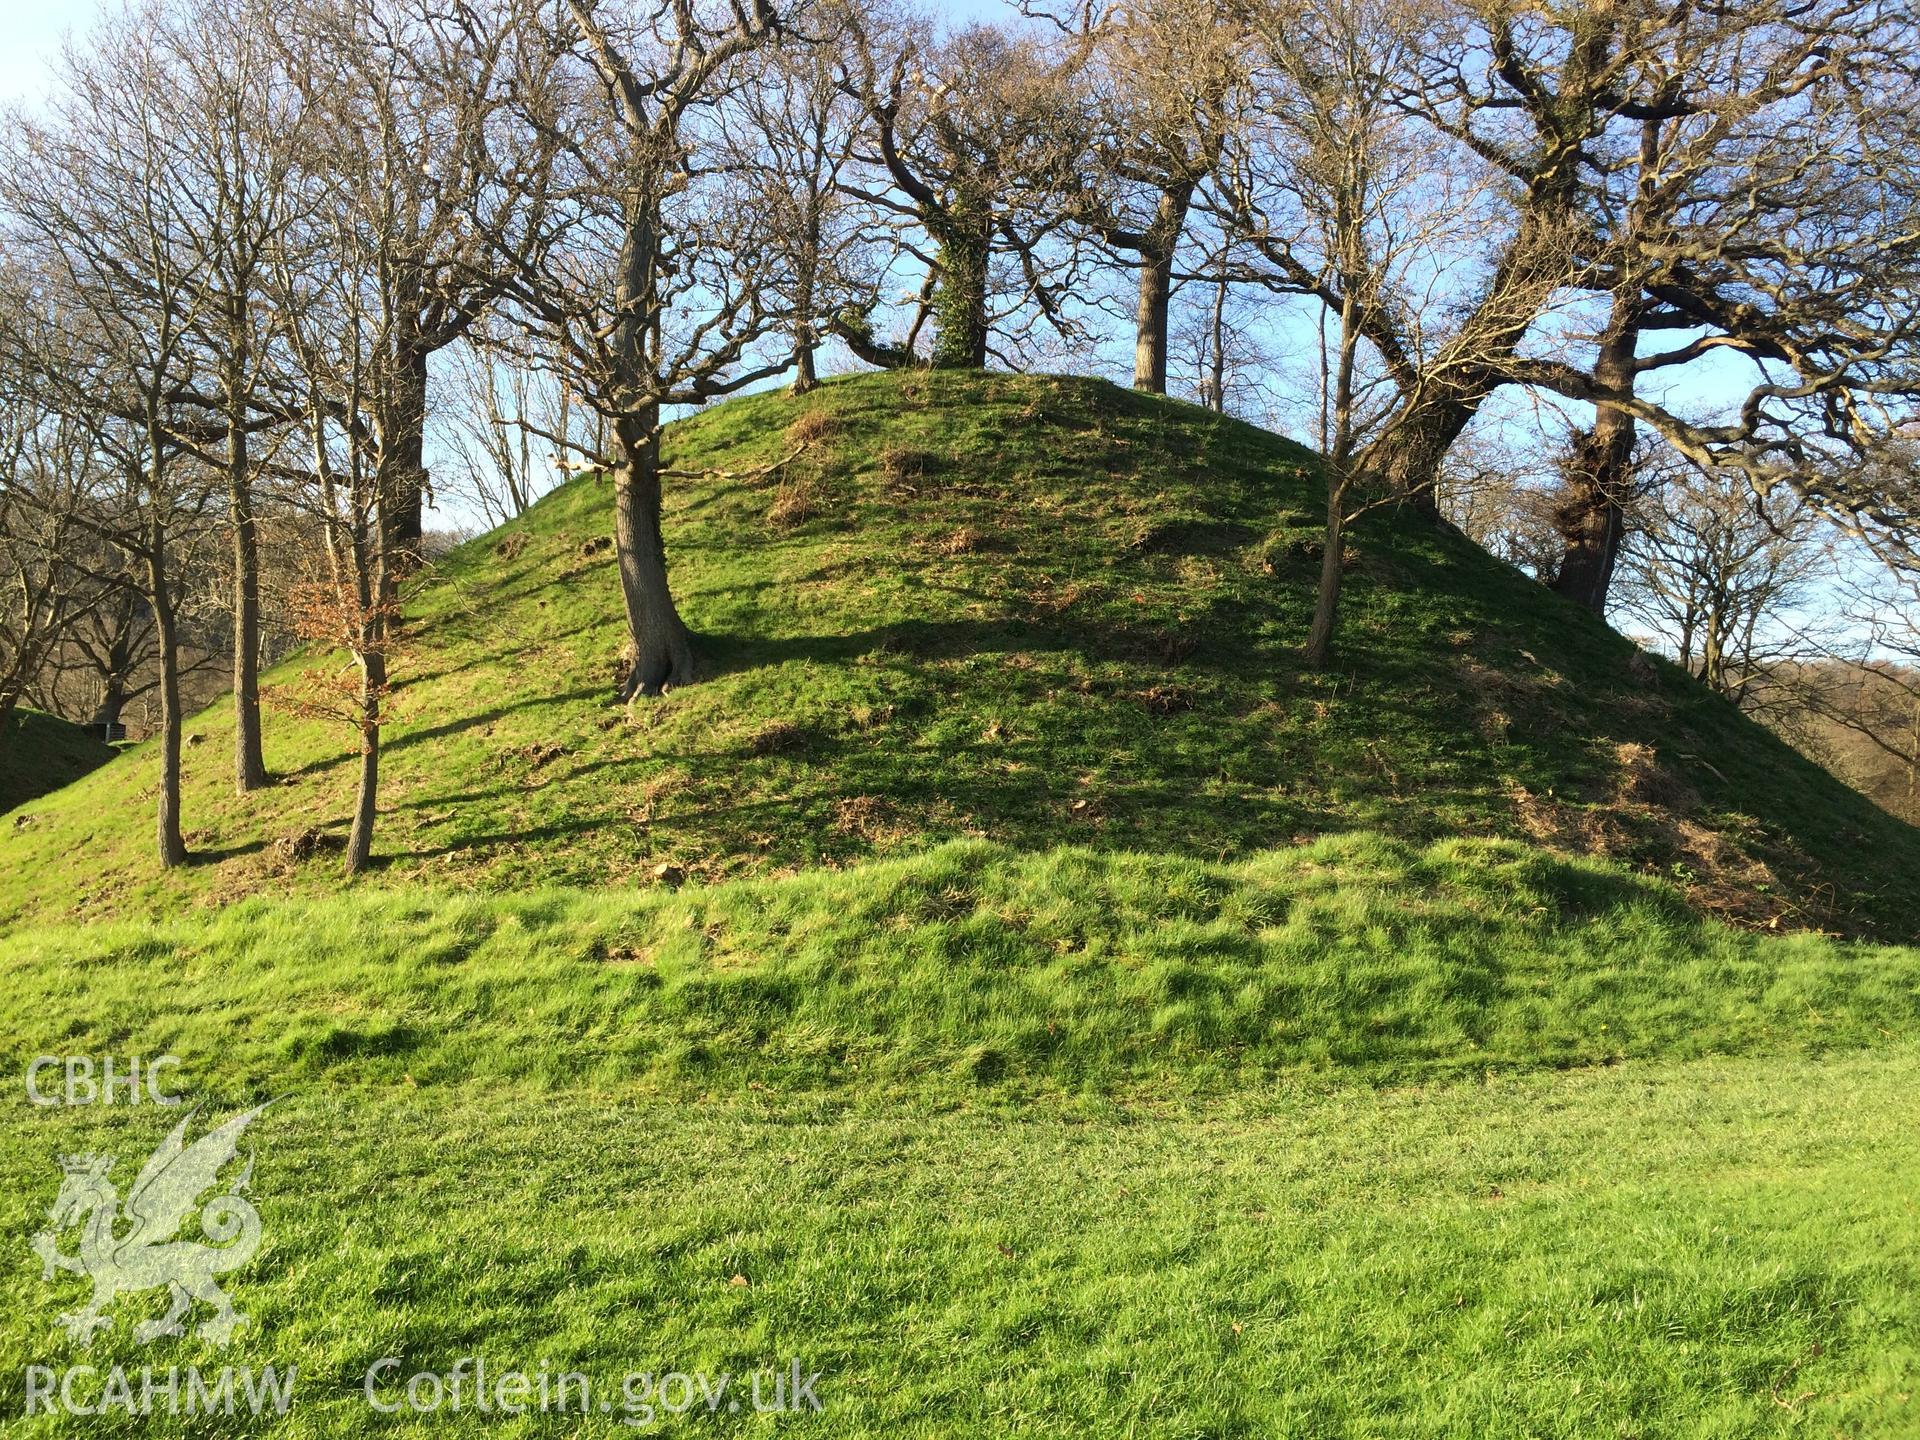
486, 717
1194, 646
219, 854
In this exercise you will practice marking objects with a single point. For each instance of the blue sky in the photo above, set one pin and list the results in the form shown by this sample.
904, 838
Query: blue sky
30, 36
31, 30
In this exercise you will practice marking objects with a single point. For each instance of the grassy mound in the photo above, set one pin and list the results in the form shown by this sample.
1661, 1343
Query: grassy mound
965, 974
39, 753
1031, 610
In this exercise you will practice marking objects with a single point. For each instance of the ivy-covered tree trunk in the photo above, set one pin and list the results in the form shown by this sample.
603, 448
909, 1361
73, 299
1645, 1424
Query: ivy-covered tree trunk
960, 304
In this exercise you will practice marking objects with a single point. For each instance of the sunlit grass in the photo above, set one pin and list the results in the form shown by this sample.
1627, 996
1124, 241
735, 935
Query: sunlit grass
1722, 1248
966, 973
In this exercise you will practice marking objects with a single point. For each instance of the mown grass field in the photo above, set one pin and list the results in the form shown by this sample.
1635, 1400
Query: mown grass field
1723, 1248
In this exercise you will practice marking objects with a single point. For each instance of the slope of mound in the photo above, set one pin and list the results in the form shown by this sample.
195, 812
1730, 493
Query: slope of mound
1028, 609
39, 753
967, 972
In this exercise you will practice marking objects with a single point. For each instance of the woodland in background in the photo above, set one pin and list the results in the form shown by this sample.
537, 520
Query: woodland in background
1627, 291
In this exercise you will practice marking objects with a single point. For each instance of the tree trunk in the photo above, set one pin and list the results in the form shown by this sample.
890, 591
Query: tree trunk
806, 338
1591, 516
1326, 608
1533, 266
173, 848
1150, 338
804, 378
408, 448
114, 674
373, 684
1590, 519
1156, 289
960, 337
1217, 359
851, 332
1713, 653
249, 764
113, 704
1913, 758
1408, 461
13, 689
662, 651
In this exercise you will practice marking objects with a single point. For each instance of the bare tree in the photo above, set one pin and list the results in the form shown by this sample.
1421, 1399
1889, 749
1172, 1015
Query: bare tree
493, 424
87, 193
974, 138
44, 487
1499, 490
793, 133
1742, 187
234, 129
1331, 185
355, 414
1221, 339
1715, 574
1882, 704
414, 93
107, 662
1681, 166
646, 290
1166, 81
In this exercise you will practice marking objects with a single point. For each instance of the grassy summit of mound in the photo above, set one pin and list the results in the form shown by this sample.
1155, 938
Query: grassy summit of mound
39, 753
1033, 610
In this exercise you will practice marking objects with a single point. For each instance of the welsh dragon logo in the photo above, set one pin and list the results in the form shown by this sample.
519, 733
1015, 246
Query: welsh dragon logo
132, 1247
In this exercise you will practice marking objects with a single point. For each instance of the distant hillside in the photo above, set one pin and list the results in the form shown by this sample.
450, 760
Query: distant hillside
1035, 610
39, 753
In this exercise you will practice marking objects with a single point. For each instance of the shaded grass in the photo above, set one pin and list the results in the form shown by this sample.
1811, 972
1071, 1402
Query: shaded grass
968, 973
1073, 620
40, 753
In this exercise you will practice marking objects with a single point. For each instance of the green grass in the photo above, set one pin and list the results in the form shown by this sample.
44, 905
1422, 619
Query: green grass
1350, 1139
1718, 1249
1068, 1018
965, 975
1037, 611
39, 753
